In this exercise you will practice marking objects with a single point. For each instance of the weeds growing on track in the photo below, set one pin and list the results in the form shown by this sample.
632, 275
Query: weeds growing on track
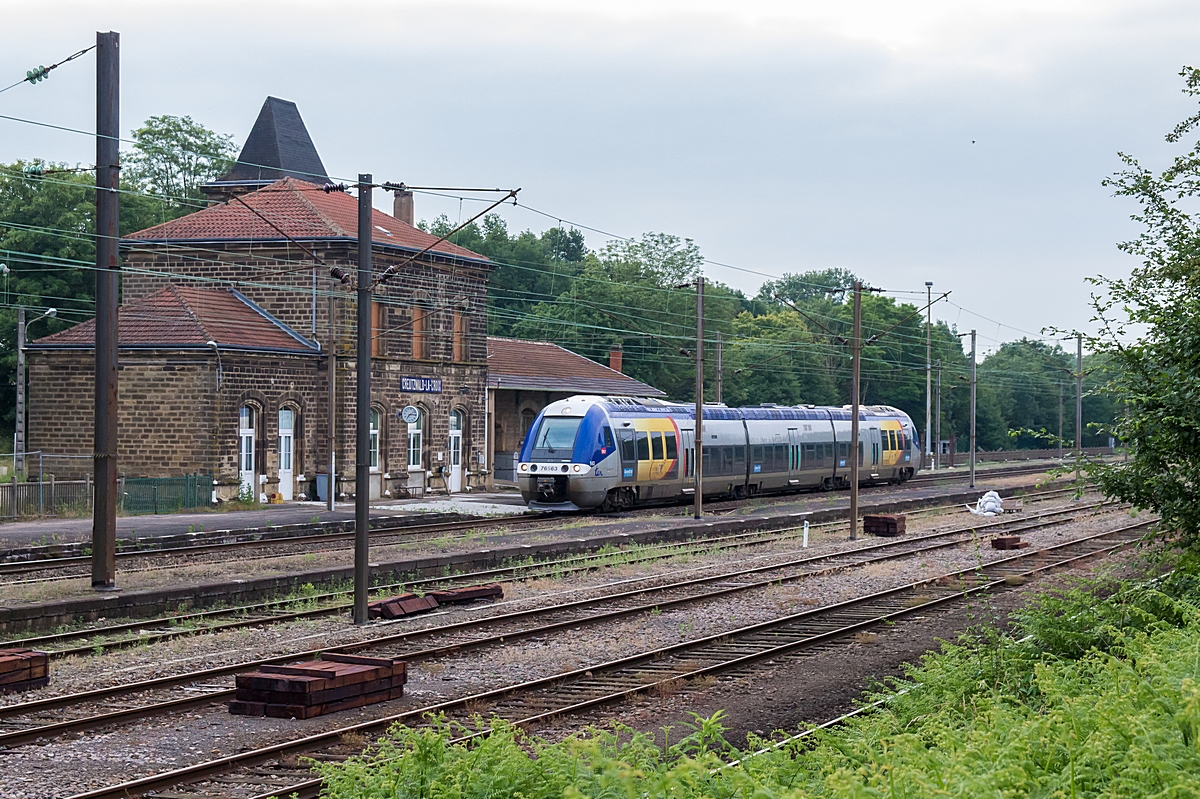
1094, 693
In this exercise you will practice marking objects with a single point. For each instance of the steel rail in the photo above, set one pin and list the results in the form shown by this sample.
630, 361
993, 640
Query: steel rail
671, 548
403, 530
604, 691
10, 564
840, 561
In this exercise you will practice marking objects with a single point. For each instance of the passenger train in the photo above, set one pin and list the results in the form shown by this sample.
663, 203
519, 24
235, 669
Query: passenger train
610, 453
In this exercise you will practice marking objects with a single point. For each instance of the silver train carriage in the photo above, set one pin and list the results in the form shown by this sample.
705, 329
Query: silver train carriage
590, 452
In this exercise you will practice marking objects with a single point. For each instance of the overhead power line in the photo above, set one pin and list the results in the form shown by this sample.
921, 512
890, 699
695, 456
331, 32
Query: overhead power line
40, 73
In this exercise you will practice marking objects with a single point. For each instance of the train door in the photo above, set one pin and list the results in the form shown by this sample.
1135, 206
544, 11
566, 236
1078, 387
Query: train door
687, 460
794, 445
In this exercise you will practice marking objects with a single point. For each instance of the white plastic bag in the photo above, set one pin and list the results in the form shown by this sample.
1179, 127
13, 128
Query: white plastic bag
989, 504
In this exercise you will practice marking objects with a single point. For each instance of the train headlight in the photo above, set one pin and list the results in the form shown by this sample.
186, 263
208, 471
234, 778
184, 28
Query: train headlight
577, 468
524, 467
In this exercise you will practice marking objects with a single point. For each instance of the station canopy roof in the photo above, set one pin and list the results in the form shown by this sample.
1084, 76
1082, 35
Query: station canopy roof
542, 366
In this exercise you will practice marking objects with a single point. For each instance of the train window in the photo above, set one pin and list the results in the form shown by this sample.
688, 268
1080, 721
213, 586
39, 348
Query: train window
756, 454
861, 447
628, 452
672, 452
885, 440
708, 460
643, 446
606, 439
781, 457
739, 460
843, 450
657, 442
810, 453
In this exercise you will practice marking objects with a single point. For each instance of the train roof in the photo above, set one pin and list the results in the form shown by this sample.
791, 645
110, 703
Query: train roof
577, 405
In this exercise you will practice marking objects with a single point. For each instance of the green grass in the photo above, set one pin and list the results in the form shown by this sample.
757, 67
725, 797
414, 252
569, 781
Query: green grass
1095, 693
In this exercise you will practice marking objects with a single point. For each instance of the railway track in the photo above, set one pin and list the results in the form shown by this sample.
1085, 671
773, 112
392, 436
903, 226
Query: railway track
46, 559
271, 771
155, 630
30, 721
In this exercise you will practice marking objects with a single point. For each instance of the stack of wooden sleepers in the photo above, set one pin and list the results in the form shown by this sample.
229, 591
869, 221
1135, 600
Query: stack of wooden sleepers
306, 690
885, 524
1008, 542
394, 607
23, 670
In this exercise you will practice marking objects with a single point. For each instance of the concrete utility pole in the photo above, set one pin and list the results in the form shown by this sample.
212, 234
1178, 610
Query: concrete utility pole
362, 449
855, 359
19, 443
698, 499
1078, 402
937, 425
1060, 421
928, 364
108, 179
719, 369
972, 409
331, 485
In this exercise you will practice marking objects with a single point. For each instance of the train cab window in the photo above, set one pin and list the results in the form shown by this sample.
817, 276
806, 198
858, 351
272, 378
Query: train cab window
672, 450
643, 446
656, 441
628, 449
606, 439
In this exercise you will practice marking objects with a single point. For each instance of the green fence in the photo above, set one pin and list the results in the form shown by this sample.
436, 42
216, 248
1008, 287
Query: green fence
165, 494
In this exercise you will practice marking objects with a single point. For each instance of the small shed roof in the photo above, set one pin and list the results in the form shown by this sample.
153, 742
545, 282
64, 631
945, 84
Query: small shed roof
542, 366
184, 317
297, 209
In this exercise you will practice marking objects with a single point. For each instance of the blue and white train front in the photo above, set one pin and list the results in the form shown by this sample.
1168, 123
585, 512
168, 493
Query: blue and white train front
569, 460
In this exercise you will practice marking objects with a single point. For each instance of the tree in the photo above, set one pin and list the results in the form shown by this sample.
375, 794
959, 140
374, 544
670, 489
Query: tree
1156, 377
172, 156
818, 284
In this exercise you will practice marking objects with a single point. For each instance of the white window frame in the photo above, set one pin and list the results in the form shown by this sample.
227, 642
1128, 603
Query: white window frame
416, 442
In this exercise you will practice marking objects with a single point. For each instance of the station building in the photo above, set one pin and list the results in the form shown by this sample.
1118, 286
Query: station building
230, 323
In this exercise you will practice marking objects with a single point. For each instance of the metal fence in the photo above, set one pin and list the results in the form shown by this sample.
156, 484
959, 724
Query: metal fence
38, 491
164, 494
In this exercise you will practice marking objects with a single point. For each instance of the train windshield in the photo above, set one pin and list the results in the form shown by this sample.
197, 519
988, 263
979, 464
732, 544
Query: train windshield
555, 437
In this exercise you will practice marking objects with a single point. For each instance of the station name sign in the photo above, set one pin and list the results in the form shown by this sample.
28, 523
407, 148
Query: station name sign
421, 385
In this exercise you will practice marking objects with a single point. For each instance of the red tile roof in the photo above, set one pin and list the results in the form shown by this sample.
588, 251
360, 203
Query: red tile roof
301, 210
185, 317
542, 366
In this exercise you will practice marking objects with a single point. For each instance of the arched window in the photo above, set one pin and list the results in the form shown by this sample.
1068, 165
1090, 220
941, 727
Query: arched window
416, 431
374, 438
527, 418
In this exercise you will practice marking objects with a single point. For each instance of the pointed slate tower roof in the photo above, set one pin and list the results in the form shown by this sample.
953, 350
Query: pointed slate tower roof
278, 147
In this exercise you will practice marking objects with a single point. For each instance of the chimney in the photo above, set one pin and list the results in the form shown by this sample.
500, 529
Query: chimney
614, 357
402, 206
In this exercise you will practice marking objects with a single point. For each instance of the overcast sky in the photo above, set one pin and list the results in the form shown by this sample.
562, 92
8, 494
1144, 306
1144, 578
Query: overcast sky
958, 142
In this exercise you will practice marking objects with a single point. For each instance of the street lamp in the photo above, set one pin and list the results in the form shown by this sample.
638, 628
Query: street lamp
22, 334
